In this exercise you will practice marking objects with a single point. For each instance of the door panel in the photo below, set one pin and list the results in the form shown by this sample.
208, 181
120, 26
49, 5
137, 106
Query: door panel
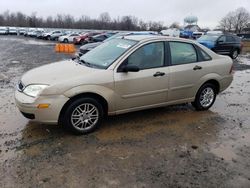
147, 87
185, 72
136, 89
183, 79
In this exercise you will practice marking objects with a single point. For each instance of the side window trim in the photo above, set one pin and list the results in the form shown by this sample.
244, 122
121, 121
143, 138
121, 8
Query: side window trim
200, 56
170, 55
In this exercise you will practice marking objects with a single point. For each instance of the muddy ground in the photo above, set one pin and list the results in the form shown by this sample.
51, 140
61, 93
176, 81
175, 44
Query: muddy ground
165, 147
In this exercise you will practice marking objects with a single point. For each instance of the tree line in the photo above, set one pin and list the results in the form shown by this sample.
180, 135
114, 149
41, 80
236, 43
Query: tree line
235, 21
103, 22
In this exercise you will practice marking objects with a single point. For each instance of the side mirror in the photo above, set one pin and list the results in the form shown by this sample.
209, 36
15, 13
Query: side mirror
130, 68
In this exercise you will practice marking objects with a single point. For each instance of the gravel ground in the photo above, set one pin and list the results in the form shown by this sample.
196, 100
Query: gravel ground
174, 146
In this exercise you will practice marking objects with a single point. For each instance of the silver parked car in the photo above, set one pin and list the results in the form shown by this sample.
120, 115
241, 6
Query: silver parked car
122, 75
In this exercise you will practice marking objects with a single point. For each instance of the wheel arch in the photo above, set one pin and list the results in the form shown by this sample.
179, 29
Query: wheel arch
96, 96
214, 82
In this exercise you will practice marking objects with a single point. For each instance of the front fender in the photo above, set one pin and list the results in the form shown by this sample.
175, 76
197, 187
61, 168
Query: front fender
105, 92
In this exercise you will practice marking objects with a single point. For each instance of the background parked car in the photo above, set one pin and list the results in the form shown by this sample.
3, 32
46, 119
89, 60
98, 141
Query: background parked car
225, 44
68, 38
12, 31
3, 30
39, 34
21, 31
81, 38
197, 34
98, 38
186, 34
55, 36
29, 31
47, 35
172, 32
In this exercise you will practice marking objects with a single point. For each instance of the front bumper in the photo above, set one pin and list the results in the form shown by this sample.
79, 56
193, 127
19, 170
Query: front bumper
28, 106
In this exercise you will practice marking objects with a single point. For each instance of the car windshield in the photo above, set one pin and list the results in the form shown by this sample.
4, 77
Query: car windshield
105, 54
115, 36
209, 38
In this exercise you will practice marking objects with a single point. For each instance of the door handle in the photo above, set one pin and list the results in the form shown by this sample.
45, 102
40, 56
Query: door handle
159, 74
197, 67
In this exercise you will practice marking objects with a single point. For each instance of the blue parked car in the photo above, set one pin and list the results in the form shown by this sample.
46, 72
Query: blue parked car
186, 34
224, 44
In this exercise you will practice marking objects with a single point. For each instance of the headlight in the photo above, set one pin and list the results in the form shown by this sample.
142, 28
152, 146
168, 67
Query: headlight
34, 90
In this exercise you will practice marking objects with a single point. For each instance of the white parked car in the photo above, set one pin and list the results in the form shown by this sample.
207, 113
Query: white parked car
173, 32
197, 34
68, 38
21, 31
12, 31
3, 30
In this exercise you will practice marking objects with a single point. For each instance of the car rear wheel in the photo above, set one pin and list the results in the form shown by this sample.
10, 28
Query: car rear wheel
205, 97
65, 40
234, 54
83, 116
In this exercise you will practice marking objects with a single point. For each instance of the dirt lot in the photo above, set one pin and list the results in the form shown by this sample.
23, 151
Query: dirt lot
165, 147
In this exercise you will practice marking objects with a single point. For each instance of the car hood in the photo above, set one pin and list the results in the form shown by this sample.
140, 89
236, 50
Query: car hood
207, 43
57, 73
90, 46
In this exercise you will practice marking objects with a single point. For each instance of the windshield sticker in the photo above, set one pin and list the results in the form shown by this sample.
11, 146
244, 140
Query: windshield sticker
125, 46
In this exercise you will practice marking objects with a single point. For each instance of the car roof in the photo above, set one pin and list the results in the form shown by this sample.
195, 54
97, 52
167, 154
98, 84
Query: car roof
142, 38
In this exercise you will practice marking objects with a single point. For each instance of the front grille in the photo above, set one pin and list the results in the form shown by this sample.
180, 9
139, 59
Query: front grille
20, 86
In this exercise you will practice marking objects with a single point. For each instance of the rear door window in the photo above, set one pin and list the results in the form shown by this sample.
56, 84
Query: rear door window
230, 39
182, 53
222, 39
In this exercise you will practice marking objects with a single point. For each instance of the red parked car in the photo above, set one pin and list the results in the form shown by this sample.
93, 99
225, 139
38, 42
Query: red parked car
81, 39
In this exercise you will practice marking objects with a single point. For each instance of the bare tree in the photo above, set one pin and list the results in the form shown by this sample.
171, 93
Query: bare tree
175, 25
235, 21
242, 18
129, 23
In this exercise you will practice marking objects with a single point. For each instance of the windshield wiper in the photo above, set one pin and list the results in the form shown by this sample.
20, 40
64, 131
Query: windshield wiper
82, 62
86, 63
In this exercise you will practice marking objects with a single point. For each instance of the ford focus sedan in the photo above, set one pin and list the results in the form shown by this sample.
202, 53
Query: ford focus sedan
123, 75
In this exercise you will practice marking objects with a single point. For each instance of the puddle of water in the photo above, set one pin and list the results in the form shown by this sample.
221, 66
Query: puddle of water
235, 106
27, 41
34, 42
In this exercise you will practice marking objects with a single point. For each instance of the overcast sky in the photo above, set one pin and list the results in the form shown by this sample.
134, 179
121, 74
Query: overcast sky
209, 12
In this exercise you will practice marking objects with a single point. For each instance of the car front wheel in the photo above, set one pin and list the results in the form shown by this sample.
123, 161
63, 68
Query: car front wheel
83, 116
205, 97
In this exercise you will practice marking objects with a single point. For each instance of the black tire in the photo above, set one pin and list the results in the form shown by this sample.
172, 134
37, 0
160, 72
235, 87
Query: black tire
197, 104
67, 117
234, 54
48, 38
65, 40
